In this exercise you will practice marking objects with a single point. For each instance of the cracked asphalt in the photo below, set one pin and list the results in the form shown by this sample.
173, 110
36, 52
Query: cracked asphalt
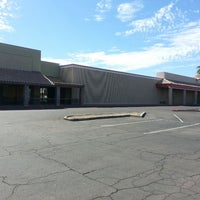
44, 157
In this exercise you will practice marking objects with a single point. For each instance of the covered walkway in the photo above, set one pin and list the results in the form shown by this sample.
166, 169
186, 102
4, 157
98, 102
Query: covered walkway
174, 93
33, 88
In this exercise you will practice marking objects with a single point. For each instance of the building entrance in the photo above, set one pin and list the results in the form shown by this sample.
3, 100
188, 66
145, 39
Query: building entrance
11, 94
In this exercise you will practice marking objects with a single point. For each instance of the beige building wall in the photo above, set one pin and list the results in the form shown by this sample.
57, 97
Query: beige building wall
19, 58
50, 69
66, 74
101, 87
104, 87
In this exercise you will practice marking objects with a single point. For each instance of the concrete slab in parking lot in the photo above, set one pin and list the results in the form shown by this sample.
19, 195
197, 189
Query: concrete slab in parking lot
44, 157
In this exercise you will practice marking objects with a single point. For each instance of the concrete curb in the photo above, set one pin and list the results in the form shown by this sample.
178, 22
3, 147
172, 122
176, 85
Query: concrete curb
103, 116
187, 110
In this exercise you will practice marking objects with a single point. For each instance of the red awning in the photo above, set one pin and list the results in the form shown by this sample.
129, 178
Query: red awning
180, 86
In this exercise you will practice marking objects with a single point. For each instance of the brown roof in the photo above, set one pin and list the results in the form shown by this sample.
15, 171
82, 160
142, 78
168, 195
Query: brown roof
12, 76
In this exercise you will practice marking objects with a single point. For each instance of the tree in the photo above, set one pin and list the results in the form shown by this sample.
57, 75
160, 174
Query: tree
198, 69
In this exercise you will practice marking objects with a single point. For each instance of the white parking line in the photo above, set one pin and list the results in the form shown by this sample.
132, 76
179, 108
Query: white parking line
178, 118
171, 129
122, 124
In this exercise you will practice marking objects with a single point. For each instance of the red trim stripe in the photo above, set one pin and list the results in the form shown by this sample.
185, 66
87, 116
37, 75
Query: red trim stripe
178, 86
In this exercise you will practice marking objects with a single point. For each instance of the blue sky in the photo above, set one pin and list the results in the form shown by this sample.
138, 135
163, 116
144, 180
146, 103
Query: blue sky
137, 36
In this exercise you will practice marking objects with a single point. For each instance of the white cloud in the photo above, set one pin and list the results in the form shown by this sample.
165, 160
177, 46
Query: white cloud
164, 19
99, 17
6, 9
102, 7
182, 46
126, 11
58, 60
5, 26
3, 3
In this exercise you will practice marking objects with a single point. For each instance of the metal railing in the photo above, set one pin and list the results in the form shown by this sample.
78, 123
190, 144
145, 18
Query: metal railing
52, 101
39, 101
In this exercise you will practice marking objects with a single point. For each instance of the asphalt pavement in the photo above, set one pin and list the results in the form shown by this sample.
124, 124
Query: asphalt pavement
44, 157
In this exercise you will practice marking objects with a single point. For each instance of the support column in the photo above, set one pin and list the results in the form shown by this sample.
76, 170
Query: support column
26, 95
184, 97
170, 96
195, 97
81, 96
58, 96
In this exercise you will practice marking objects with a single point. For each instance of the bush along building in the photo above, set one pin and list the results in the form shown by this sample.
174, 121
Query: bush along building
25, 80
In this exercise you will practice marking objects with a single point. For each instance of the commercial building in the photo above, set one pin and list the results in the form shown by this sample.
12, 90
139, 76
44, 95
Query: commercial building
25, 80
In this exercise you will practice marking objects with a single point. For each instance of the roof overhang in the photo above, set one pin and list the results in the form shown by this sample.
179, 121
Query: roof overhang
12, 76
20, 77
178, 86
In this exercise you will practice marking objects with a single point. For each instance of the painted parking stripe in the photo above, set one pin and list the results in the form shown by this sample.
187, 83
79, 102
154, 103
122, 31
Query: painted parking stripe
171, 129
122, 124
177, 117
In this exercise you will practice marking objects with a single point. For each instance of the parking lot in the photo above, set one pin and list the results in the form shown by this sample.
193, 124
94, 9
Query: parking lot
44, 157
